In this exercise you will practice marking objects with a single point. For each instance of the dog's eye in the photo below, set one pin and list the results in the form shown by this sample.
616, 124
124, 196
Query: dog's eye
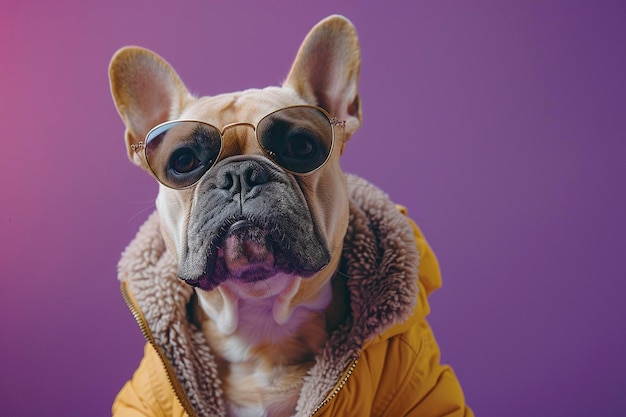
184, 160
300, 146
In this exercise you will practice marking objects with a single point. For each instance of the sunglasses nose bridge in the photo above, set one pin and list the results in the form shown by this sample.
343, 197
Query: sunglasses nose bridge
239, 141
231, 126
237, 124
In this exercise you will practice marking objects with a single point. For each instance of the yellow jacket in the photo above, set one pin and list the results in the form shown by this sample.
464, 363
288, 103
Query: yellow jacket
384, 361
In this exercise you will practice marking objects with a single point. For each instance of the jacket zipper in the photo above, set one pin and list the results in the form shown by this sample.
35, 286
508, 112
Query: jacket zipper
342, 382
169, 370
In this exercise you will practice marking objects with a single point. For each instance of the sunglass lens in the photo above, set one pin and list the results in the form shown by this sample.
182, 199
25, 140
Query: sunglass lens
180, 152
297, 138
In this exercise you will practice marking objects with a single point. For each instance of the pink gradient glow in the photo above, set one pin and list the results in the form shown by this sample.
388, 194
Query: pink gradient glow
500, 125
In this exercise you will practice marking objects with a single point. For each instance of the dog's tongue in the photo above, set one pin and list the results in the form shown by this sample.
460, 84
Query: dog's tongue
247, 252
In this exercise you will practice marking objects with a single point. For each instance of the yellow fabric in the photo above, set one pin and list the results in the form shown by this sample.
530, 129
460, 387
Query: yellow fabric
149, 392
398, 374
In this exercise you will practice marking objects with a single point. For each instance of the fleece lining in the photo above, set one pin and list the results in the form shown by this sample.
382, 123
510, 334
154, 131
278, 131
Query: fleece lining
380, 260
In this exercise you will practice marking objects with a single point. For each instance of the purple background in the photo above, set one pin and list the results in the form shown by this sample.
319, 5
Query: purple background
501, 125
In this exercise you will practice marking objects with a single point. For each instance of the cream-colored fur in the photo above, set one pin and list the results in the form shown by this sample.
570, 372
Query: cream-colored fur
263, 363
264, 334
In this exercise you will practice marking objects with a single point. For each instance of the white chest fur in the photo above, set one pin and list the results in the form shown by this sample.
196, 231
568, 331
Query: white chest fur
261, 362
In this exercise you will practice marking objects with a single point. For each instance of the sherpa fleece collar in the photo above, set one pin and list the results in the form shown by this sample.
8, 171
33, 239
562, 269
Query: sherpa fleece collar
380, 261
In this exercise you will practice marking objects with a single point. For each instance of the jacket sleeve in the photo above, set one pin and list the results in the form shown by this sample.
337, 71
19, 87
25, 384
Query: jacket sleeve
433, 390
403, 377
147, 393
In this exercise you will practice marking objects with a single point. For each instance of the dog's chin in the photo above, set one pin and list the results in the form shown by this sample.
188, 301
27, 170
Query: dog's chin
247, 257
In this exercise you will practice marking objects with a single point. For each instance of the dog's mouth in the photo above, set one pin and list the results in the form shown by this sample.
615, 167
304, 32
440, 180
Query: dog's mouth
247, 252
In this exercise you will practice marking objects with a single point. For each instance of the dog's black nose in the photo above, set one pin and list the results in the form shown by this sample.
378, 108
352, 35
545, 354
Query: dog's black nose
242, 177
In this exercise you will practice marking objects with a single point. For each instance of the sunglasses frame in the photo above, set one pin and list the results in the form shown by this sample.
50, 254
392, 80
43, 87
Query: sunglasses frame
140, 147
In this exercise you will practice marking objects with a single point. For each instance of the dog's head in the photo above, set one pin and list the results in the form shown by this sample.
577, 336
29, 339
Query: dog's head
252, 199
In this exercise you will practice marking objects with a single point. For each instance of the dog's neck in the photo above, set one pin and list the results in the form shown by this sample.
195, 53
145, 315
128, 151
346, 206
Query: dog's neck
275, 300
263, 356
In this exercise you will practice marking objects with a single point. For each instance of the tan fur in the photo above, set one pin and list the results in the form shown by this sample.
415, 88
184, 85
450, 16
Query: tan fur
266, 375
265, 334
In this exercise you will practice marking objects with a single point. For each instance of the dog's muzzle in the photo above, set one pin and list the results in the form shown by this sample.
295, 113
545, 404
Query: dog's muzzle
249, 224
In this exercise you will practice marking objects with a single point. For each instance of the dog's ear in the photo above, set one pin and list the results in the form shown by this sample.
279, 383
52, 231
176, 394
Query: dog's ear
146, 91
326, 70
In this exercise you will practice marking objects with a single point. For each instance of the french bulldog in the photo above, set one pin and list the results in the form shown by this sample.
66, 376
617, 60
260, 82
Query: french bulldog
253, 204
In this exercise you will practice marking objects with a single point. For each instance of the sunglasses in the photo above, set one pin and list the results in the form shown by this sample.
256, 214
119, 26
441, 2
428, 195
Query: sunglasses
299, 139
